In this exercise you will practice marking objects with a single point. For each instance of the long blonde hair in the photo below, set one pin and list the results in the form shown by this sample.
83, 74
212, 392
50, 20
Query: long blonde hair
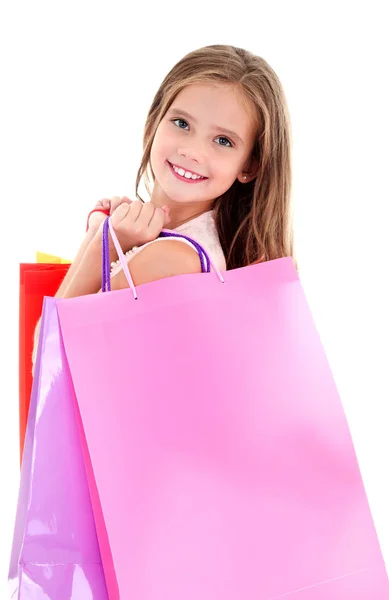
254, 220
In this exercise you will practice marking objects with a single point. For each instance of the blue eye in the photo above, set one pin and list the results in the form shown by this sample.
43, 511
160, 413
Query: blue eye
222, 137
182, 121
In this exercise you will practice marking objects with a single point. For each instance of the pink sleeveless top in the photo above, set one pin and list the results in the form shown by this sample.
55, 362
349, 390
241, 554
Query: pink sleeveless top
201, 229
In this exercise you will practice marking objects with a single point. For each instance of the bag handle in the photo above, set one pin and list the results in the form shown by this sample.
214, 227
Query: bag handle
205, 264
205, 259
106, 282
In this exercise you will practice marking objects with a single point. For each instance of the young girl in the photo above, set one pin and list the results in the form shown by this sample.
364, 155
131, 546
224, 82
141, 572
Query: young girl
217, 143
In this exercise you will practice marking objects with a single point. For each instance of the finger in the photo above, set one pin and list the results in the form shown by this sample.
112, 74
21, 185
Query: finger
106, 203
135, 209
146, 215
115, 202
167, 218
120, 213
157, 222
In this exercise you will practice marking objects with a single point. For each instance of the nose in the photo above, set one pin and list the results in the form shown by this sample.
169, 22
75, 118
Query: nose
193, 154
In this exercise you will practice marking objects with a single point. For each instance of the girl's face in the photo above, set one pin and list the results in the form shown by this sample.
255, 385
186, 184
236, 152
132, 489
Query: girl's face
207, 131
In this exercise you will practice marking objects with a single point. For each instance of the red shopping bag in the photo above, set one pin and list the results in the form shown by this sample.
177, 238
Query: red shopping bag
36, 281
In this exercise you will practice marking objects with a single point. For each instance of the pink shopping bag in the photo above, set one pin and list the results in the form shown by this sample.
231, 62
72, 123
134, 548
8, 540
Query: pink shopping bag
221, 462
55, 552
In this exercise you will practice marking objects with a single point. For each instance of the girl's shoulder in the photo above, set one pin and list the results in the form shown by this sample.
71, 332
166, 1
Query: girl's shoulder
202, 229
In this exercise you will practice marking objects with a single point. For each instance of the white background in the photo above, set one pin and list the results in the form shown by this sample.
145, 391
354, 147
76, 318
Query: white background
76, 84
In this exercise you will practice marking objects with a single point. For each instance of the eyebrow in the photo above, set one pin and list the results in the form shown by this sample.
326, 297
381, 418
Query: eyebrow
234, 135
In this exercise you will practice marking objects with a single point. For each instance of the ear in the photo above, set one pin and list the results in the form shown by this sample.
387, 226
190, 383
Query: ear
249, 173
244, 177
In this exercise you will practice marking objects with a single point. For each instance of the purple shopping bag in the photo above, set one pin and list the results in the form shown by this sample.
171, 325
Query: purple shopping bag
55, 553
222, 465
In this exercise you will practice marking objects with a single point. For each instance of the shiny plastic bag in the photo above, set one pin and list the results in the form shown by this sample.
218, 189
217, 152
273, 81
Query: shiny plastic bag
55, 553
37, 280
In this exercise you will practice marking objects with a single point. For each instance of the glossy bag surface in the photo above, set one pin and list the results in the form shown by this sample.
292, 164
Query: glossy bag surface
55, 554
37, 280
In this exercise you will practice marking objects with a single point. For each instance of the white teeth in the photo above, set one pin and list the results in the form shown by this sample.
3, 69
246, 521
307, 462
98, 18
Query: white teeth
186, 174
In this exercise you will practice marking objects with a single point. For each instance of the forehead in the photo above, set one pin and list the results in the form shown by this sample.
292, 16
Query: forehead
217, 103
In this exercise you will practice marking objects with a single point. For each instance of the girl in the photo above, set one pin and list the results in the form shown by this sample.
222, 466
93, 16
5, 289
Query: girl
217, 143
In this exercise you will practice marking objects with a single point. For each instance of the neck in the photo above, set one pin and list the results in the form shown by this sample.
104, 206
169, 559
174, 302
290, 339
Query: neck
178, 218
180, 212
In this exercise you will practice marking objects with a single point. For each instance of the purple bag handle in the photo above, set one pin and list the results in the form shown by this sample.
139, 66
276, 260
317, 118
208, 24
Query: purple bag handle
205, 260
106, 280
205, 265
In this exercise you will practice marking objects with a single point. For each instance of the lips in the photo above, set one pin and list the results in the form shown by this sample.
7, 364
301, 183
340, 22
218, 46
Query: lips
189, 170
185, 179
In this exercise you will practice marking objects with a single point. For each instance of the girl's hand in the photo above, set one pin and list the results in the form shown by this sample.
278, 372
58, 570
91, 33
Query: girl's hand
137, 223
110, 204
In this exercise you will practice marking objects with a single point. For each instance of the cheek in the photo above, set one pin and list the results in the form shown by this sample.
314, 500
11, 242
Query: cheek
226, 167
162, 141
157, 152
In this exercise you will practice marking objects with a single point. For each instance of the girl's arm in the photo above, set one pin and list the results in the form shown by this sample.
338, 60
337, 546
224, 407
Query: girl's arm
72, 278
157, 261
76, 262
94, 221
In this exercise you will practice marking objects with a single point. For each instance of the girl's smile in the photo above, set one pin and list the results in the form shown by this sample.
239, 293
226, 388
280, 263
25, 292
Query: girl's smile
182, 177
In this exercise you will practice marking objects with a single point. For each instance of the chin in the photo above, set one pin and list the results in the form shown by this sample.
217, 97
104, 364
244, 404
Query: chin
178, 199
